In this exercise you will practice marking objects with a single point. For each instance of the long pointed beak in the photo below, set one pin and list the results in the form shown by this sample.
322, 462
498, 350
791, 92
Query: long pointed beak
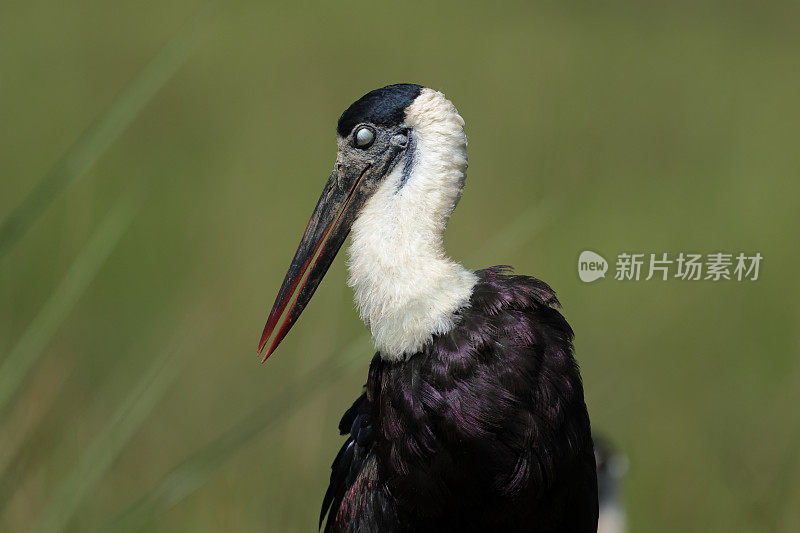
325, 233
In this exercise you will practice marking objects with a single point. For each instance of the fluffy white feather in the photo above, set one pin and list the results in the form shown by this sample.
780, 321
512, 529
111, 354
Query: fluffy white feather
406, 289
611, 520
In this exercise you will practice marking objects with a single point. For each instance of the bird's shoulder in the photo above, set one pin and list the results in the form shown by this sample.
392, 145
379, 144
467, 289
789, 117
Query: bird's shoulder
498, 289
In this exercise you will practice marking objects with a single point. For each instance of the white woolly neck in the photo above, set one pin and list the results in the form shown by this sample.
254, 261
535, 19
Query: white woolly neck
406, 288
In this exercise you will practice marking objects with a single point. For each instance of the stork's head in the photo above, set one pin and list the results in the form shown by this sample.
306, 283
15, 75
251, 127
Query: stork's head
387, 140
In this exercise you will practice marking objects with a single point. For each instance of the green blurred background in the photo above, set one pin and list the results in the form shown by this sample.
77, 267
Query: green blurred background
159, 160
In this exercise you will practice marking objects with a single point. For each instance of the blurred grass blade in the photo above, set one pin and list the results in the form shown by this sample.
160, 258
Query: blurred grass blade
40, 331
517, 233
106, 446
194, 472
101, 134
29, 410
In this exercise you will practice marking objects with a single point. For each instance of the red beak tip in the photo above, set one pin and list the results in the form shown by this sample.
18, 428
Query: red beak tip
261, 346
267, 354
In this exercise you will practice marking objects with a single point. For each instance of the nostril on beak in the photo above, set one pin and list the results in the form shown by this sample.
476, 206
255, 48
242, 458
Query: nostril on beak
339, 175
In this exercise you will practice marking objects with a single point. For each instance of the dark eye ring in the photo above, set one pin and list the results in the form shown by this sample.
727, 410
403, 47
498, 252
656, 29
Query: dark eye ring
363, 137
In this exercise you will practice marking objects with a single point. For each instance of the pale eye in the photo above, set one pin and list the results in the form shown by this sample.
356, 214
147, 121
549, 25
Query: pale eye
364, 137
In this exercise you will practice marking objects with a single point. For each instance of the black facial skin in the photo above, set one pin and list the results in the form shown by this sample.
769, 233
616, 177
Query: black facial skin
377, 160
356, 176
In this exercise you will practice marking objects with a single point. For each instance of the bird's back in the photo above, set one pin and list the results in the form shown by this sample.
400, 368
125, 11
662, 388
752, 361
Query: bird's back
485, 429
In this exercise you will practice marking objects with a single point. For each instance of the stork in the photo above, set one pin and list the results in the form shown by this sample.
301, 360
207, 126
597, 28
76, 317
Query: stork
472, 417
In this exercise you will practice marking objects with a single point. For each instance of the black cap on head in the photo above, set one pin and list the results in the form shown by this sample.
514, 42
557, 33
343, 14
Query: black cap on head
383, 107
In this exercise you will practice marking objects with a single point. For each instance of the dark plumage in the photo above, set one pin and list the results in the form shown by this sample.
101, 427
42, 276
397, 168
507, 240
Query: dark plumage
382, 107
484, 430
